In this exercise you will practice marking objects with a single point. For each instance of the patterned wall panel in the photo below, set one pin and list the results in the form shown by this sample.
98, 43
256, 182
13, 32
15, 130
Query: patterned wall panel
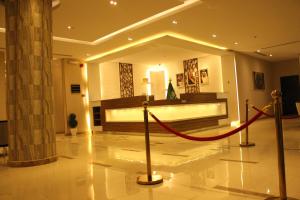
191, 76
126, 80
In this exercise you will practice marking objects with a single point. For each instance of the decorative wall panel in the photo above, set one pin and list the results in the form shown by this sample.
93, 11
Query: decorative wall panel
126, 80
191, 76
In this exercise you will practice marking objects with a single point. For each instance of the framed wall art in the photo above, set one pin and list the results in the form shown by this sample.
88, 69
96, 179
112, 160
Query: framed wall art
180, 80
191, 76
258, 80
204, 76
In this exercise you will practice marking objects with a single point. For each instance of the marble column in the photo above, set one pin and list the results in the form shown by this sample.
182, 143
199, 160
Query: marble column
30, 91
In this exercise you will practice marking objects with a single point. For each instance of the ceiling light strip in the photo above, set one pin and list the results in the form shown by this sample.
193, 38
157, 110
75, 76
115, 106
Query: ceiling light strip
62, 39
156, 17
186, 38
186, 4
121, 48
151, 38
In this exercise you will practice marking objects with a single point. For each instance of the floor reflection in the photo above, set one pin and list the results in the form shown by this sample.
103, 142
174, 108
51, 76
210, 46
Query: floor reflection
105, 166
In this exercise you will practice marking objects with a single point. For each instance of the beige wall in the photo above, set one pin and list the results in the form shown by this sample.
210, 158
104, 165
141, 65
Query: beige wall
65, 103
59, 101
230, 86
284, 68
246, 65
94, 82
3, 115
139, 72
214, 66
76, 103
110, 81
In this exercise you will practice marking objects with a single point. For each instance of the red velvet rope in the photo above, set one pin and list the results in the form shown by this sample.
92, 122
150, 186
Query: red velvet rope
212, 138
259, 110
282, 117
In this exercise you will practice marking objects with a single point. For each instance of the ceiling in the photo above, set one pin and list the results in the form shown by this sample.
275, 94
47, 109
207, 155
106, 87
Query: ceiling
103, 30
159, 54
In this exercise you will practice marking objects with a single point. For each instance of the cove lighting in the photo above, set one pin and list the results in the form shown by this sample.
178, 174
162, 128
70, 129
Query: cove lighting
151, 38
157, 68
185, 5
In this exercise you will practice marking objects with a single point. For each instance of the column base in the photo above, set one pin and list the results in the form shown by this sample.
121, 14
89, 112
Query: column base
278, 198
31, 163
143, 180
249, 144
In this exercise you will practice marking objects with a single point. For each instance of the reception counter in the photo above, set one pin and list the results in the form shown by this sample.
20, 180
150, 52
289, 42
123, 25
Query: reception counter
191, 111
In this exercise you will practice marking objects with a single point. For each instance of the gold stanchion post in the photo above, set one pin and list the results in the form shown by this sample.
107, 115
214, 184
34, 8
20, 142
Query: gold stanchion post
149, 178
247, 143
280, 146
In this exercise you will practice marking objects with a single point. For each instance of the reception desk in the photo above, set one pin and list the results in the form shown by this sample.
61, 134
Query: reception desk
191, 111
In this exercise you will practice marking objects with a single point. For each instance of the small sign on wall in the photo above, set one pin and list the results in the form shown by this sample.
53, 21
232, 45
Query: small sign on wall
75, 88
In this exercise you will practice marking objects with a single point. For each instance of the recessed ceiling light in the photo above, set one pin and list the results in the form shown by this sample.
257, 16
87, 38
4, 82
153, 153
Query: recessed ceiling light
270, 55
174, 22
70, 27
236, 43
258, 50
130, 39
112, 2
214, 35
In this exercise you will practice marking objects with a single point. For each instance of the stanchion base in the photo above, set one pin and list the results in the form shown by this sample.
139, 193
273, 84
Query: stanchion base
278, 198
249, 144
143, 180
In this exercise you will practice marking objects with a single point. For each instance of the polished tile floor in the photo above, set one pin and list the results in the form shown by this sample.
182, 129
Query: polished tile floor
105, 166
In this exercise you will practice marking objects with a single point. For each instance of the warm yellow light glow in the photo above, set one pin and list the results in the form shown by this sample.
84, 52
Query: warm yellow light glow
190, 39
152, 38
92, 189
167, 112
62, 39
157, 68
84, 74
2, 30
235, 123
121, 48
237, 97
185, 5
242, 168
156, 17
193, 154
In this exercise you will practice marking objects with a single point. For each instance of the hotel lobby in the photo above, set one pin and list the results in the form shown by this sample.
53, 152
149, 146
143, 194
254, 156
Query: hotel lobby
149, 99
